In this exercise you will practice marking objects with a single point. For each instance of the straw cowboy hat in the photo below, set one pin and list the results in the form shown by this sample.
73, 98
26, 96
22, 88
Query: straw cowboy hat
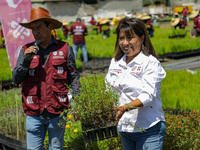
139, 16
65, 23
175, 21
41, 14
104, 21
145, 16
100, 19
194, 13
120, 17
175, 13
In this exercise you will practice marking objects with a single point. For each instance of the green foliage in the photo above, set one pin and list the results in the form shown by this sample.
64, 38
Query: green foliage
183, 131
95, 104
177, 32
60, 34
180, 90
12, 118
5, 69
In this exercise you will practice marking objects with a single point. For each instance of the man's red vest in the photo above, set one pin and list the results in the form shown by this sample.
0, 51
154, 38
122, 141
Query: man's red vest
46, 86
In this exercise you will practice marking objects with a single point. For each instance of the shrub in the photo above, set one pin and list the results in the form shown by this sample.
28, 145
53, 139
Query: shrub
94, 106
182, 131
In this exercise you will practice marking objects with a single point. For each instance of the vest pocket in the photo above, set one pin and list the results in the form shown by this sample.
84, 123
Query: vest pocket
59, 69
33, 74
60, 97
30, 98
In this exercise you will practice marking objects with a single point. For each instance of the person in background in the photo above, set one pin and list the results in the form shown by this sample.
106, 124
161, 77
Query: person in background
93, 23
65, 29
136, 74
196, 31
98, 24
79, 31
185, 14
46, 68
148, 23
178, 23
105, 27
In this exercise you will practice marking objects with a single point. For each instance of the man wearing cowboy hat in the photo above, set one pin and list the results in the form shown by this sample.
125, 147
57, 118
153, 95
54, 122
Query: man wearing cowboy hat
45, 67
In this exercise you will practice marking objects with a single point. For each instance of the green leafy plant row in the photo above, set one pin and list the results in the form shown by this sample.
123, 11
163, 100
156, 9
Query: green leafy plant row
180, 90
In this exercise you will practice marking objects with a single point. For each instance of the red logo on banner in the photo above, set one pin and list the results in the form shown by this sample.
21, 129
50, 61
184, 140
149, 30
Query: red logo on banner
13, 12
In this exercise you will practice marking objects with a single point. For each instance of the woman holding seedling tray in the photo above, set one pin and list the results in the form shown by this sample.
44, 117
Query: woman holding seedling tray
136, 74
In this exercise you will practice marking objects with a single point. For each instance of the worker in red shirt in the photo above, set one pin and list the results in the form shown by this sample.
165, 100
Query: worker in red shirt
65, 29
79, 31
196, 31
185, 13
94, 25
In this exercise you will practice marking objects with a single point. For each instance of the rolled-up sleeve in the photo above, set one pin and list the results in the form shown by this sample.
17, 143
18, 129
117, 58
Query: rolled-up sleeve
153, 75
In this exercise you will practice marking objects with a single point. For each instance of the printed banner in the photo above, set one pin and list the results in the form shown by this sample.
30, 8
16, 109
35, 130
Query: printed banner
13, 12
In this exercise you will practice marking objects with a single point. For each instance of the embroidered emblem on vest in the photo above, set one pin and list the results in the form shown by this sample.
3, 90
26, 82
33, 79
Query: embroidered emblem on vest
31, 72
29, 100
62, 98
60, 70
60, 53
55, 53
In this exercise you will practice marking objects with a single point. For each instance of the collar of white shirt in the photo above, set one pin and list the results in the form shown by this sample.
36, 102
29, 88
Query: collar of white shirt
139, 59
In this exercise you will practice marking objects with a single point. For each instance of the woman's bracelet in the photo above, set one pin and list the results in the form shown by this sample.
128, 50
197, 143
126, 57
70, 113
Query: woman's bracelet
128, 108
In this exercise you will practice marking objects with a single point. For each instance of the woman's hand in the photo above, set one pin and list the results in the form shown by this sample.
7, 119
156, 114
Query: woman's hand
120, 111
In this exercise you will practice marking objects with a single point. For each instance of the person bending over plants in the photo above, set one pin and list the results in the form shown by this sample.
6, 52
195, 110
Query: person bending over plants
46, 68
136, 74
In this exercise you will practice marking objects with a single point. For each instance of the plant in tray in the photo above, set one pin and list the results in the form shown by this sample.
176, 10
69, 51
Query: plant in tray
94, 108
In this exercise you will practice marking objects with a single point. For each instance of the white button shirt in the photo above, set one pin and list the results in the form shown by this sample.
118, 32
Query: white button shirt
141, 79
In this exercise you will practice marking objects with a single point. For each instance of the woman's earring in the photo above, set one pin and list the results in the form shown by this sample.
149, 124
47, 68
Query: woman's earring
143, 48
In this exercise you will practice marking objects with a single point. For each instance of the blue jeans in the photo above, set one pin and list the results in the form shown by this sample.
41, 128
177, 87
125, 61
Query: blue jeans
36, 128
83, 49
150, 139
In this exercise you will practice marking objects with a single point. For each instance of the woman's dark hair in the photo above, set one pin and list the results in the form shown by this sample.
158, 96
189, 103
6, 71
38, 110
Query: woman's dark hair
131, 26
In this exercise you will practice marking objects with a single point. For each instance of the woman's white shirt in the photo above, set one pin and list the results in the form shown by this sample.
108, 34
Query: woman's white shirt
141, 79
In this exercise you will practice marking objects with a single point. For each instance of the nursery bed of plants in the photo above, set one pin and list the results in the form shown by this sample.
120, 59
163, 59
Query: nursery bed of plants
179, 91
